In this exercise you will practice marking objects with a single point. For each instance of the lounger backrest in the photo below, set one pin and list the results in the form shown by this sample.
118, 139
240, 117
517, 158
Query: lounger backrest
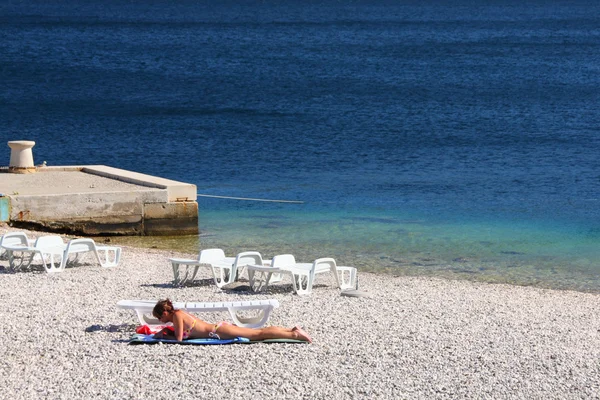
80, 245
208, 256
248, 257
49, 241
14, 239
283, 261
324, 265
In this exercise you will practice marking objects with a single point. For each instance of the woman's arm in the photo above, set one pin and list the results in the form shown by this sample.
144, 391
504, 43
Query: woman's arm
178, 325
165, 333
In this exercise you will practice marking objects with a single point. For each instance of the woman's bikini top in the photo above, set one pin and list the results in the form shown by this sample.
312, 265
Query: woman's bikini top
186, 332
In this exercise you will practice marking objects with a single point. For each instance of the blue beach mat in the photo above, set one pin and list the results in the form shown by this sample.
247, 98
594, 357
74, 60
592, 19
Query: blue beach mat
149, 339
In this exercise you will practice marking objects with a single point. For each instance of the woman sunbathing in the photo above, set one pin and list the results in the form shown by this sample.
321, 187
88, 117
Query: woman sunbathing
187, 326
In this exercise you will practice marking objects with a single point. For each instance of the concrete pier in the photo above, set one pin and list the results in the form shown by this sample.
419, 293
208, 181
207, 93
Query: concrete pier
98, 200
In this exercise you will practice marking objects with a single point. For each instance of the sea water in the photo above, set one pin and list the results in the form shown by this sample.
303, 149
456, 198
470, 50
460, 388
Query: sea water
421, 138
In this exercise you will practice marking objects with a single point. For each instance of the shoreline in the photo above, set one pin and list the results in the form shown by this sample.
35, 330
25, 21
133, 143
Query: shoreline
507, 270
416, 337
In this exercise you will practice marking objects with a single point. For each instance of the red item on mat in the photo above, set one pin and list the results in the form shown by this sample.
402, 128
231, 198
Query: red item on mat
146, 330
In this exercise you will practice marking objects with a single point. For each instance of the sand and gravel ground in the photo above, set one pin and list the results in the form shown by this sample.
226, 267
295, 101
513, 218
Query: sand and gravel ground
62, 337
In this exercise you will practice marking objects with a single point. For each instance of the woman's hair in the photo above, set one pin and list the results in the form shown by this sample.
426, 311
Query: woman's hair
162, 306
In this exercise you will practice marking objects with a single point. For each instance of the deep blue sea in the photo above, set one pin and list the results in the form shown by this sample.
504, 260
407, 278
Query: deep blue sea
440, 138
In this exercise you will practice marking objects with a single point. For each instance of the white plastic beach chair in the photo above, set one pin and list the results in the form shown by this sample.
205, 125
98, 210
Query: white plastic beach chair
107, 256
49, 249
185, 270
238, 310
14, 239
225, 270
303, 274
55, 254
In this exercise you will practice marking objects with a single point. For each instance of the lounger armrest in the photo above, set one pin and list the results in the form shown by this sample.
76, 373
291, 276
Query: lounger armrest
263, 268
80, 246
185, 261
18, 247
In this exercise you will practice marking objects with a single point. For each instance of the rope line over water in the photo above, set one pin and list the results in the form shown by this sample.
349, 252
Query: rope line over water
250, 199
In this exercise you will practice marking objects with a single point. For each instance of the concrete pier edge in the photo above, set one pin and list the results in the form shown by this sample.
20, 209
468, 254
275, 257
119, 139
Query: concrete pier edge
152, 206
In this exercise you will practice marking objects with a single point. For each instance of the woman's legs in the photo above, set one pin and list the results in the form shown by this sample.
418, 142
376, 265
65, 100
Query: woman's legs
271, 332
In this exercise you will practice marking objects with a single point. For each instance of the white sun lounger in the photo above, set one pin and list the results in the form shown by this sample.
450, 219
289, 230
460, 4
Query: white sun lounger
49, 249
107, 256
55, 254
302, 274
14, 239
185, 269
261, 308
225, 270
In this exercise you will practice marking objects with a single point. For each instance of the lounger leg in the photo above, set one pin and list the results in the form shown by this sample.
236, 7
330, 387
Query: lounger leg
25, 260
45, 264
30, 258
336, 276
176, 278
196, 268
259, 280
347, 278
67, 260
11, 260
184, 276
219, 276
74, 260
302, 283
222, 275
50, 265
239, 273
276, 277
251, 274
251, 322
108, 256
103, 256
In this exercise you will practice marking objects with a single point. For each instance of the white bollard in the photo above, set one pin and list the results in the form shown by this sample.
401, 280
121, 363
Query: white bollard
21, 156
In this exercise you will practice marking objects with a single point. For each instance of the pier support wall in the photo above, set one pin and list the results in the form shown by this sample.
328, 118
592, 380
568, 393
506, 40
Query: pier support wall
156, 207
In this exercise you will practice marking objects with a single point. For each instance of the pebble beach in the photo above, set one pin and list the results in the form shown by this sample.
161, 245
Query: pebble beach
63, 337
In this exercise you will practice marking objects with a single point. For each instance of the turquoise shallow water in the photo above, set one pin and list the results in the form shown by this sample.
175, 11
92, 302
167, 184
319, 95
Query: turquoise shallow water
557, 255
